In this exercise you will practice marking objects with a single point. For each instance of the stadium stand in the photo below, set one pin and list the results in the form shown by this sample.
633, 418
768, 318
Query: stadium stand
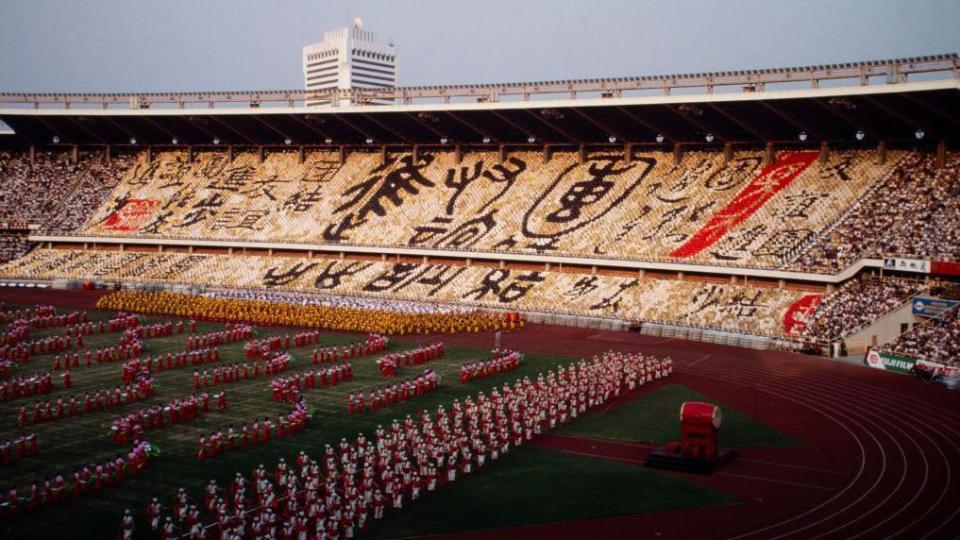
38, 192
937, 341
700, 210
13, 244
736, 308
856, 303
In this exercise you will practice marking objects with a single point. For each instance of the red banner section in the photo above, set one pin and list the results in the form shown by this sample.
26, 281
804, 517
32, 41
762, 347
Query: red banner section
945, 268
132, 215
770, 181
794, 320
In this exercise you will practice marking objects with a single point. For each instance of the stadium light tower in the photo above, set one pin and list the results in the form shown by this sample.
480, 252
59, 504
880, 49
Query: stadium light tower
349, 58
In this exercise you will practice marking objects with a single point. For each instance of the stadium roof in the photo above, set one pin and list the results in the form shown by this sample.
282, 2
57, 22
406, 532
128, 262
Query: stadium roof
748, 107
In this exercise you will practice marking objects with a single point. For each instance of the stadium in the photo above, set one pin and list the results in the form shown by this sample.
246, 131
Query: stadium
486, 310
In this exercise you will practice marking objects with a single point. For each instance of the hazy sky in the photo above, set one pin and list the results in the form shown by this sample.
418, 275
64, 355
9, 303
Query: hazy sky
141, 45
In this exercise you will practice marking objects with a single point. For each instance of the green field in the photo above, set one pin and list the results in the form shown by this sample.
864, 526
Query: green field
534, 486
73, 442
655, 418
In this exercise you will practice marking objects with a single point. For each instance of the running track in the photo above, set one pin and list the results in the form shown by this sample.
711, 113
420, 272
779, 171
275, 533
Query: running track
881, 456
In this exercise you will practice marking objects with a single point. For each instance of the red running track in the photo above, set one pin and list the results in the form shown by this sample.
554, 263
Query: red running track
880, 458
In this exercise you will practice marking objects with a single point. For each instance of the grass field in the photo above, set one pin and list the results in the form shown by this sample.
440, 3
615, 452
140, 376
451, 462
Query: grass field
654, 418
73, 442
534, 486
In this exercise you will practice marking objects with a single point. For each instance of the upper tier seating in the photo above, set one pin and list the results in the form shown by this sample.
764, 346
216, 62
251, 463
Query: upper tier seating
701, 210
914, 213
54, 190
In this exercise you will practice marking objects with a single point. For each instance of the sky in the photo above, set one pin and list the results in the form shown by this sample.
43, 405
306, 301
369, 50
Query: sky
185, 45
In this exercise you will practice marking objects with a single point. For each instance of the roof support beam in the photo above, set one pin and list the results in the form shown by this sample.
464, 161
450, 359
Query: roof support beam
746, 126
237, 131
796, 122
940, 111
352, 126
393, 131
599, 125
309, 126
669, 134
523, 130
553, 127
852, 122
471, 126
719, 134
159, 127
263, 120
81, 127
425, 124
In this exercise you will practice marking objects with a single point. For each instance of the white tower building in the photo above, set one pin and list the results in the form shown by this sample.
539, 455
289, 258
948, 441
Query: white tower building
349, 58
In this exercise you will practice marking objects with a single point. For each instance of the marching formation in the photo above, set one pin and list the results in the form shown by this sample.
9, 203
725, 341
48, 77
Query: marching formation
358, 481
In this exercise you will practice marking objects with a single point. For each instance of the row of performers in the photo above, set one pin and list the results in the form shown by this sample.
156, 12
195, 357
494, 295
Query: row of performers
372, 345
27, 385
100, 400
389, 363
102, 355
86, 480
288, 389
400, 392
258, 433
14, 449
25, 313
233, 334
240, 372
177, 411
338, 495
501, 362
160, 329
256, 347
74, 323
123, 321
21, 352
178, 360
